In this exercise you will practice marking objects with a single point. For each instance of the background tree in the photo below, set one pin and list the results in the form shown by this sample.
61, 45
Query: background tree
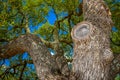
17, 18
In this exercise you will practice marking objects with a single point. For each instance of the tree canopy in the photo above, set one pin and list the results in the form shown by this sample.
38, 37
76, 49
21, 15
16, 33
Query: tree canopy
19, 17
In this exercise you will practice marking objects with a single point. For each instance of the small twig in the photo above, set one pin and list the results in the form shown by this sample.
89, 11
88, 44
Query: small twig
25, 63
14, 66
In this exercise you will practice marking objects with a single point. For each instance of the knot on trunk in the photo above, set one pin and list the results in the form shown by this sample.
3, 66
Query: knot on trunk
81, 30
108, 55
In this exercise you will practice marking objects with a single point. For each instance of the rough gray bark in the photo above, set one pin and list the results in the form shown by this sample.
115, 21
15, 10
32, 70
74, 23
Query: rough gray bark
44, 62
92, 53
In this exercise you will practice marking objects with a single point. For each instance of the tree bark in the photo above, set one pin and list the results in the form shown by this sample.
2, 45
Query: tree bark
115, 66
44, 62
92, 53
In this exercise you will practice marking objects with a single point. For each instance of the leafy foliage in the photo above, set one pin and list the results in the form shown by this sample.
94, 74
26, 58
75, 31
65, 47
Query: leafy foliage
115, 35
46, 31
118, 77
14, 15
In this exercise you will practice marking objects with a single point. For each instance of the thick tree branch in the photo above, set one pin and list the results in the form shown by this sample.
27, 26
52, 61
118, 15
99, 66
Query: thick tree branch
44, 62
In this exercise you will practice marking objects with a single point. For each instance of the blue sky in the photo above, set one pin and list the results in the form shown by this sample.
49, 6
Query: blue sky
51, 18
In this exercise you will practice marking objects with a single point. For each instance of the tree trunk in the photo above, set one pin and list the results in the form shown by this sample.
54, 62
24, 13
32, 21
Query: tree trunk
92, 53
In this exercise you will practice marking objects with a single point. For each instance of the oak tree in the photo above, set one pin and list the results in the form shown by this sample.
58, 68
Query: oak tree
92, 39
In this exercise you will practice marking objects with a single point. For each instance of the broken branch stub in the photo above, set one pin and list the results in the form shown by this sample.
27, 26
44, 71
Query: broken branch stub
82, 31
